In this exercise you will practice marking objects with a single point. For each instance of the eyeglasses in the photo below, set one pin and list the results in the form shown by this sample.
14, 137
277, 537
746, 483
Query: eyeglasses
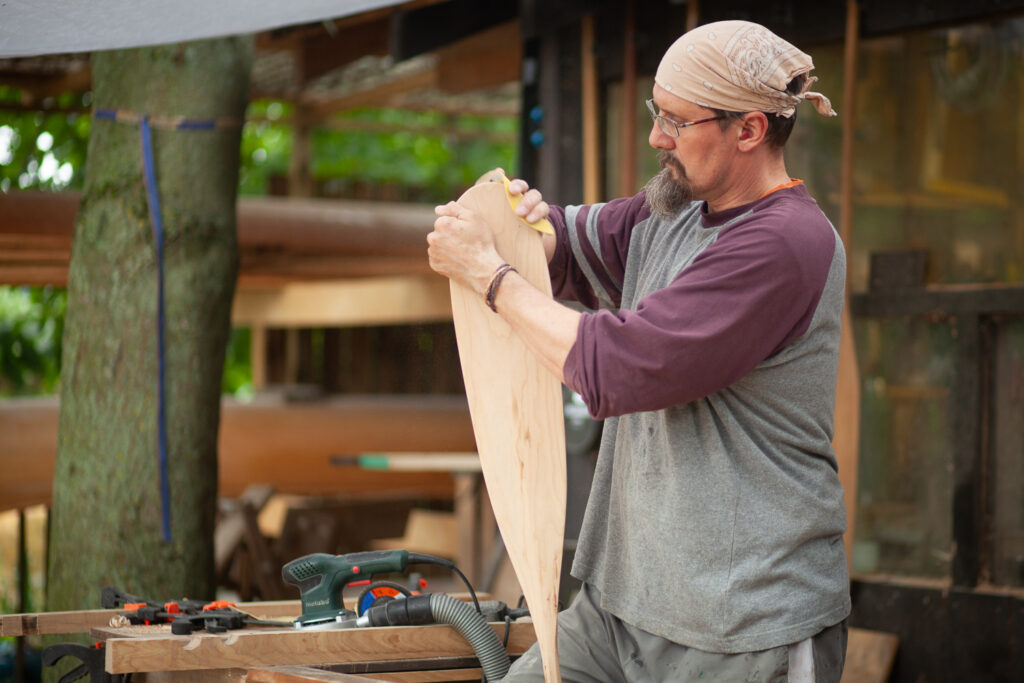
670, 127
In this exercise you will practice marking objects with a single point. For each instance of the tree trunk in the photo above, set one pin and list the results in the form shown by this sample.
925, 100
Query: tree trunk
106, 517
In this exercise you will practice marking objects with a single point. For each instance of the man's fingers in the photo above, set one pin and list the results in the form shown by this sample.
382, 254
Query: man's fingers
445, 209
518, 186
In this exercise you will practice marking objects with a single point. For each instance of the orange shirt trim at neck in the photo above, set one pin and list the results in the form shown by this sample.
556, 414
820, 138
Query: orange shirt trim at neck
793, 182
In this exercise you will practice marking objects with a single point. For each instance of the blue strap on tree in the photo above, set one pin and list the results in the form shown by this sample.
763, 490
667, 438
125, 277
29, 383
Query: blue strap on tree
146, 124
146, 134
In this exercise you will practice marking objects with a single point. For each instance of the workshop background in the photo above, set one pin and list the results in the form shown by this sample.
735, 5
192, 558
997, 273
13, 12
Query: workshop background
342, 347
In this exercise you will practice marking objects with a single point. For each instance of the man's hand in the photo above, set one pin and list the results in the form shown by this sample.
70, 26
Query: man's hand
461, 247
532, 207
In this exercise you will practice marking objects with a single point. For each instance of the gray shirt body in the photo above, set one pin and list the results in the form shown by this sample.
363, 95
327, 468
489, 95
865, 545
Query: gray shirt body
716, 515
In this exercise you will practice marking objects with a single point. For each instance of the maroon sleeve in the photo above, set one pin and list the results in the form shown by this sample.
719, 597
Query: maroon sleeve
615, 222
741, 301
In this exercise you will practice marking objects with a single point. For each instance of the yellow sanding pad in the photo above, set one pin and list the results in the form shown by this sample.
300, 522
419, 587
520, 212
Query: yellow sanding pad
496, 176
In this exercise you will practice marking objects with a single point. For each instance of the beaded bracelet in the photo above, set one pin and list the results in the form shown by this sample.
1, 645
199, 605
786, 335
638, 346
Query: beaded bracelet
492, 289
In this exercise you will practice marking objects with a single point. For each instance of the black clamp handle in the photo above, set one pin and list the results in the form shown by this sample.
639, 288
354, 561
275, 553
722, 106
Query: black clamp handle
91, 658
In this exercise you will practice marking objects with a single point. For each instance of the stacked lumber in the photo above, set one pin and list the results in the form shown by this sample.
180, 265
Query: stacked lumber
280, 239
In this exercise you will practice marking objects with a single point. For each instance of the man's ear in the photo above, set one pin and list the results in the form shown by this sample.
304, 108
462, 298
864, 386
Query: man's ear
753, 128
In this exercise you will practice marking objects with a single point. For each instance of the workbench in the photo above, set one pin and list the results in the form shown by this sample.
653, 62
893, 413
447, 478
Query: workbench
408, 654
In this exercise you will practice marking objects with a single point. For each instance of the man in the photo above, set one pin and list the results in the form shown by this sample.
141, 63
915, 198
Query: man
712, 543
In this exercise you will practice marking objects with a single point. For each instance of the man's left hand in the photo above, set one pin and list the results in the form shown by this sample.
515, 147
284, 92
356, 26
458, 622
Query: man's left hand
461, 247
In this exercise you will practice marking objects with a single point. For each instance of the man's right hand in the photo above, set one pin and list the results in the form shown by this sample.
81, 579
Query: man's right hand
533, 208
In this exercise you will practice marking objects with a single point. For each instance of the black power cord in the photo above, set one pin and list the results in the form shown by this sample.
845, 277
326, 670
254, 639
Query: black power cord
440, 561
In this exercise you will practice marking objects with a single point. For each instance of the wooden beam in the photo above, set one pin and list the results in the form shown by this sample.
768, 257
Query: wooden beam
627, 177
287, 445
83, 621
316, 225
369, 301
36, 87
300, 175
942, 301
324, 238
484, 60
382, 95
692, 14
590, 107
299, 674
846, 435
417, 31
325, 51
140, 649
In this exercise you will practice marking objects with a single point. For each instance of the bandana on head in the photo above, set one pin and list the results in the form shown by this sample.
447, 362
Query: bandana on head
738, 66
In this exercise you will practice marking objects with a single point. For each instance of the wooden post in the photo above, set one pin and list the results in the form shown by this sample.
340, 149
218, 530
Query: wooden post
628, 136
300, 179
591, 129
258, 357
846, 439
19, 657
692, 14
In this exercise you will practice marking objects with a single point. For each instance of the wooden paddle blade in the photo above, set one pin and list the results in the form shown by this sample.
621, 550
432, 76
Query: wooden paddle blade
516, 409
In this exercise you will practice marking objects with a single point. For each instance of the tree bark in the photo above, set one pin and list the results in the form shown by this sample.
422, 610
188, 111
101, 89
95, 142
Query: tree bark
106, 517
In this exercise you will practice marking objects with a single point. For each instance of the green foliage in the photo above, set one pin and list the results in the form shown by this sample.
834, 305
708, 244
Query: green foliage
237, 378
44, 151
429, 156
266, 146
31, 326
434, 155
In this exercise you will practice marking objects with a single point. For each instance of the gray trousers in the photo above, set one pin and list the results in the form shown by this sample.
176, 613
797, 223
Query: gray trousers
596, 647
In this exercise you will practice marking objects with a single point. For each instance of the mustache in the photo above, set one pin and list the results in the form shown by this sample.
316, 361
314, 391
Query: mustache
666, 160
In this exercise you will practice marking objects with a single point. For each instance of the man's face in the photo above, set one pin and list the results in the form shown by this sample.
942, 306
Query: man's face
692, 163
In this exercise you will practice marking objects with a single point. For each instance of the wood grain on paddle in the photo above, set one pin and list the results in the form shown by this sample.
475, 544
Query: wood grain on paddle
516, 409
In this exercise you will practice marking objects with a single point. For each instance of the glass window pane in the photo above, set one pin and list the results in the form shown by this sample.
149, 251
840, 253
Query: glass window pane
904, 514
940, 151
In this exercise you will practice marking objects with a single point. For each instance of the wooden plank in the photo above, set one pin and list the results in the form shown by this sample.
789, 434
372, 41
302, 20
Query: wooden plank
326, 51
209, 676
441, 676
46, 623
846, 437
869, 656
484, 60
516, 408
291, 446
413, 462
938, 301
231, 529
590, 105
323, 239
83, 621
628, 103
133, 649
432, 532
287, 445
299, 674
382, 95
364, 301
448, 22
972, 389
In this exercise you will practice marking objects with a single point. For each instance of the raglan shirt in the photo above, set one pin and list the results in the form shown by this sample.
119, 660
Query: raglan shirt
716, 515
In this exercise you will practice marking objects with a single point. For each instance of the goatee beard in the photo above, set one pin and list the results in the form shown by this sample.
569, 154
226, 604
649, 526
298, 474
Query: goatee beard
667, 195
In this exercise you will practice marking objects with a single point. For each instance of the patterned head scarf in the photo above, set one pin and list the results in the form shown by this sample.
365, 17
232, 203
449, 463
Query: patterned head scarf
738, 66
